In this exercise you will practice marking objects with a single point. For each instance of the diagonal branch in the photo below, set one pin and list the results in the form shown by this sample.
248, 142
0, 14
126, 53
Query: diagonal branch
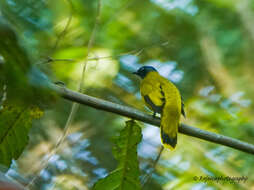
141, 116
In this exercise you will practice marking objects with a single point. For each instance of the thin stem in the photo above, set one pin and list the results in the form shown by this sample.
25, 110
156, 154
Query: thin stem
148, 175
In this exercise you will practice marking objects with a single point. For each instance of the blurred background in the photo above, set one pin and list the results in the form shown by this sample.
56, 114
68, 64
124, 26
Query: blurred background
204, 47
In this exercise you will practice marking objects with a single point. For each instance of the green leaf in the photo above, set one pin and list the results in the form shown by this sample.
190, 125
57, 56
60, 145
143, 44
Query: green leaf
18, 73
15, 123
126, 175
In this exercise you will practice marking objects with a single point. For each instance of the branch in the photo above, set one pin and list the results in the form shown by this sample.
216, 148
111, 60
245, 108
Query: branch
141, 116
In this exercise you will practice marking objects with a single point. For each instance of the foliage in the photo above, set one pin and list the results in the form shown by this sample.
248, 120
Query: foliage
15, 123
205, 47
18, 73
126, 175
23, 82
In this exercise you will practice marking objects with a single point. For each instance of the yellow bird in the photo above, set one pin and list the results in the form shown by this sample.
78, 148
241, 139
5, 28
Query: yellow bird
162, 96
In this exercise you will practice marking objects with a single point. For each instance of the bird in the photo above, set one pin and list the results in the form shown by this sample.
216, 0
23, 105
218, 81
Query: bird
162, 96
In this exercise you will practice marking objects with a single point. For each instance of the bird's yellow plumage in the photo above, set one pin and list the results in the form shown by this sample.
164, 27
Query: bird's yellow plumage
162, 96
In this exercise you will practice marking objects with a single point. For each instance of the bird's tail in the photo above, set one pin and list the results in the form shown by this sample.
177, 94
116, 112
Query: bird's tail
169, 129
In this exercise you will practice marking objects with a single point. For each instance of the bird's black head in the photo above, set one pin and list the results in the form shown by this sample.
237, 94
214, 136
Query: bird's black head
143, 71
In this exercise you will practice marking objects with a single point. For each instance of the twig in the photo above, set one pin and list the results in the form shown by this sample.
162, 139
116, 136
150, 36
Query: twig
148, 175
135, 52
62, 34
90, 44
141, 116
75, 106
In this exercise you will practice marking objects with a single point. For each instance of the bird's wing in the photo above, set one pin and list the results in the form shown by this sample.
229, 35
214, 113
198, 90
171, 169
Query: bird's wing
153, 96
182, 108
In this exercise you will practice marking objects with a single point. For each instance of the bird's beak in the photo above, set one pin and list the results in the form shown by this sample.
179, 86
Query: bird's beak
135, 73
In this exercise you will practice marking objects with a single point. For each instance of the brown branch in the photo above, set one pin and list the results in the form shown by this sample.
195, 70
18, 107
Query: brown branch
141, 116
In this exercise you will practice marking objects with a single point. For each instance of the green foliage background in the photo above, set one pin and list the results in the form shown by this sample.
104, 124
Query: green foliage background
205, 47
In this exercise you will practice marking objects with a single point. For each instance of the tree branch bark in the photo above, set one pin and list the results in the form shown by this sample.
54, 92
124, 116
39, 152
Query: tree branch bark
141, 116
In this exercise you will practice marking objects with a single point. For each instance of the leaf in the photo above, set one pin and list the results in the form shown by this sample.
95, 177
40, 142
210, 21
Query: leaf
15, 123
18, 73
126, 175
